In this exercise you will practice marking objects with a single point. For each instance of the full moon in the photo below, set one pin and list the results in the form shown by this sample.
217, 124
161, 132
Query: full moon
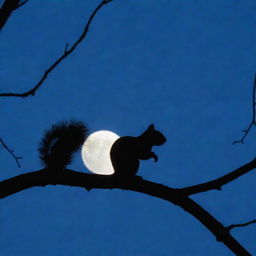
96, 152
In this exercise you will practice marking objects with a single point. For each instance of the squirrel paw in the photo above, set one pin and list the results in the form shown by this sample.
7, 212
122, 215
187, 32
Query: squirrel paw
155, 157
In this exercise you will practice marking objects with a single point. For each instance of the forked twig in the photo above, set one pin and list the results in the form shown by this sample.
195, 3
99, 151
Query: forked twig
66, 53
16, 158
253, 121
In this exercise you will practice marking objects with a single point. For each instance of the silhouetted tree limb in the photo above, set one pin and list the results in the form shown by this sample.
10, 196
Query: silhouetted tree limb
216, 184
66, 53
7, 8
16, 158
241, 225
253, 121
90, 181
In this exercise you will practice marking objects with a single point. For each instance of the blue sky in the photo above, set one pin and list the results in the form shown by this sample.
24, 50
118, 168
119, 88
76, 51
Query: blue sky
186, 66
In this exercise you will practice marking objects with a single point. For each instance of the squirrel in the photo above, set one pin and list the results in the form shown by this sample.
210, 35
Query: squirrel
126, 151
60, 142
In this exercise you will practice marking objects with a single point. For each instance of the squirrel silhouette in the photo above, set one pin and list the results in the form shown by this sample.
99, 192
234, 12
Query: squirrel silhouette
60, 142
126, 151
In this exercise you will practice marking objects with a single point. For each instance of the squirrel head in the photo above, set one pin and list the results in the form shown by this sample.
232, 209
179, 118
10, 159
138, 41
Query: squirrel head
153, 136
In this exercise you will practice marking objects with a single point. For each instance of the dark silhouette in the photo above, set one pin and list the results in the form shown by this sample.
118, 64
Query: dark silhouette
60, 142
67, 51
58, 145
253, 121
7, 8
126, 151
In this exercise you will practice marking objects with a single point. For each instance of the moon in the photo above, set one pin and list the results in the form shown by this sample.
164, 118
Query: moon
96, 152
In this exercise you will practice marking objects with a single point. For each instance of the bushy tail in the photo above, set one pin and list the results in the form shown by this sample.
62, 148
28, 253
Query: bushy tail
60, 142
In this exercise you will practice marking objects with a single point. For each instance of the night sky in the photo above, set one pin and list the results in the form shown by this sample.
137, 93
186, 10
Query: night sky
187, 66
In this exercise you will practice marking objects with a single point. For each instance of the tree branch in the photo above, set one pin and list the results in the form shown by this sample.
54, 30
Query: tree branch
66, 53
253, 121
216, 184
6, 10
240, 225
16, 158
89, 181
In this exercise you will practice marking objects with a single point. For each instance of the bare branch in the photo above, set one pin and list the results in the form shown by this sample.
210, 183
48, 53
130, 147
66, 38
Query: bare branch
216, 184
66, 53
253, 121
6, 10
89, 181
241, 225
16, 158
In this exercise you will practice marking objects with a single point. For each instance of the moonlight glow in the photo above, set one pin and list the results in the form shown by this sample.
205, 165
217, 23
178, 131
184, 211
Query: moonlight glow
96, 152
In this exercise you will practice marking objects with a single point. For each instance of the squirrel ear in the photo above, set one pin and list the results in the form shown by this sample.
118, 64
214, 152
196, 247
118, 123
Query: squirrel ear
151, 127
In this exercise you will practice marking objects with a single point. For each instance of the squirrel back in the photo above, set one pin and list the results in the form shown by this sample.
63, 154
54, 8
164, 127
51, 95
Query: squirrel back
60, 142
127, 151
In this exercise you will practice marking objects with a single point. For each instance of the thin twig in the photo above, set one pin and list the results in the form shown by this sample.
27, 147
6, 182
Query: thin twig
16, 158
66, 53
240, 225
253, 121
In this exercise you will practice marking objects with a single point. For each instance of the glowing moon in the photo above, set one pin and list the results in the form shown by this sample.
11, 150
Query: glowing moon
96, 152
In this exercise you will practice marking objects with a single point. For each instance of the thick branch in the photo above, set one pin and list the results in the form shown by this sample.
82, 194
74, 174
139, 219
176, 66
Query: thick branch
218, 183
66, 53
90, 181
6, 10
